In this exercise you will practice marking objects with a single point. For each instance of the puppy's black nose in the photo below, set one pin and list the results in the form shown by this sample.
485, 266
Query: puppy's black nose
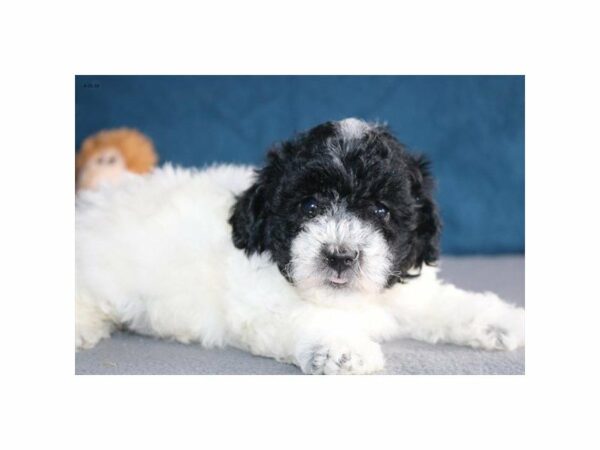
341, 260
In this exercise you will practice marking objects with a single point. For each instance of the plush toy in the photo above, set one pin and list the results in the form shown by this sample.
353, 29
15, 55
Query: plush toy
107, 156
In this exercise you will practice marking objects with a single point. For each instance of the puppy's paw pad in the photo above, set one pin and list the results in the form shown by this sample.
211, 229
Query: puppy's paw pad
504, 333
81, 343
343, 359
88, 338
496, 336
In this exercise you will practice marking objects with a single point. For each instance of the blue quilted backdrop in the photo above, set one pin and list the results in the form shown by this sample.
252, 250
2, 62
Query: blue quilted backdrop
471, 127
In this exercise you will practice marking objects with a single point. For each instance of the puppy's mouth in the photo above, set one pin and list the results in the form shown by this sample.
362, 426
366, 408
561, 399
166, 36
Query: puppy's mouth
338, 282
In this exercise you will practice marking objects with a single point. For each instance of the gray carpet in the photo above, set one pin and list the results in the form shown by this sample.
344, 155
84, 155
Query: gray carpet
131, 354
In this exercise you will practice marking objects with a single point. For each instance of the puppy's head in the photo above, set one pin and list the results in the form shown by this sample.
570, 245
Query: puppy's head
341, 208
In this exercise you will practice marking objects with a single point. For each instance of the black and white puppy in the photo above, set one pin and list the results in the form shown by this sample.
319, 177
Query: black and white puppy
313, 259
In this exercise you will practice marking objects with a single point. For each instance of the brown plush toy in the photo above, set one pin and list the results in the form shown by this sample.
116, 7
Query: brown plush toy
107, 156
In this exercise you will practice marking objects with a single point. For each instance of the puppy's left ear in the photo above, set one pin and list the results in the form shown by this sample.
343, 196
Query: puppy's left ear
427, 224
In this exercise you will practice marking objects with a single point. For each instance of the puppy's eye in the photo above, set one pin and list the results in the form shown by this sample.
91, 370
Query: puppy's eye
381, 211
310, 207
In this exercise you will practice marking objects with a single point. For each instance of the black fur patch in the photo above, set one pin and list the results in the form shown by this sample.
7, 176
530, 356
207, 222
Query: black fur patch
374, 169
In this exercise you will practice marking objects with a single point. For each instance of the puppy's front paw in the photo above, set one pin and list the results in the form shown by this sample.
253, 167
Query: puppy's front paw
505, 331
342, 359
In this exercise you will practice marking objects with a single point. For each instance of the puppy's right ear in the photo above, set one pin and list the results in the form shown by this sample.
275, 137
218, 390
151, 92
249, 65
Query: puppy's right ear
250, 213
247, 220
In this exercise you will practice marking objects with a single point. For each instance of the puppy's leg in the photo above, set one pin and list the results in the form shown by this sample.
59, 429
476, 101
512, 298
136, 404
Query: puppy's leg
318, 340
339, 355
91, 323
451, 315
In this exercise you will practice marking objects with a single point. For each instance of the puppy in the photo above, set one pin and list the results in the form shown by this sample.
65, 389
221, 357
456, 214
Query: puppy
312, 260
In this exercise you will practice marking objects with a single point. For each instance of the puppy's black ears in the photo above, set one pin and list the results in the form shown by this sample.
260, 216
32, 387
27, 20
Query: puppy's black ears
428, 227
250, 212
247, 221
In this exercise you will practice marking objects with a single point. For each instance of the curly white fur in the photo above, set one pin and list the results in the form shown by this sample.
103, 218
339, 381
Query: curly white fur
155, 255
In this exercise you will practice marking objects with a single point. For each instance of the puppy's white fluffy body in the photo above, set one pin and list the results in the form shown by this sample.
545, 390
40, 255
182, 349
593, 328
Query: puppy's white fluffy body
155, 255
